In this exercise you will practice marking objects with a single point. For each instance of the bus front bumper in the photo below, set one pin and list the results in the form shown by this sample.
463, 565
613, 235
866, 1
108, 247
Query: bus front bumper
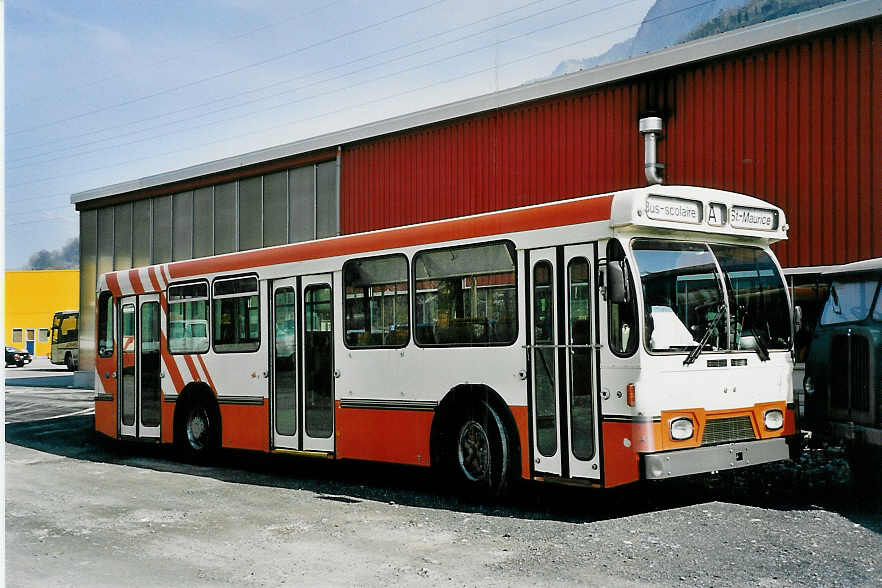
729, 456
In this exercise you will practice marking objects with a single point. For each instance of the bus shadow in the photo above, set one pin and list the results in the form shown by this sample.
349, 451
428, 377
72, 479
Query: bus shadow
813, 482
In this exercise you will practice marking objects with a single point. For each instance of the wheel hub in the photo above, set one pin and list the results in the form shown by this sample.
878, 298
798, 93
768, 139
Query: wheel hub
474, 451
197, 428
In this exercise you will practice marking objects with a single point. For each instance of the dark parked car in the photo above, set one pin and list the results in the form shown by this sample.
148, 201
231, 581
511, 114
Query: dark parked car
843, 381
17, 357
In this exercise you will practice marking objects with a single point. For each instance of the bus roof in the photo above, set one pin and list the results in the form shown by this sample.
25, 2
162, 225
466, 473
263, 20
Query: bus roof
680, 208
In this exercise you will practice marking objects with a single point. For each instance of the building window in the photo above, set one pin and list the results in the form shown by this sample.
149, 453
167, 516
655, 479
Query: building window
188, 318
17, 335
236, 304
43, 336
466, 295
377, 308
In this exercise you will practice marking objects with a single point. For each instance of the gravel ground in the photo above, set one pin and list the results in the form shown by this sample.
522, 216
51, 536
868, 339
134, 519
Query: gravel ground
83, 514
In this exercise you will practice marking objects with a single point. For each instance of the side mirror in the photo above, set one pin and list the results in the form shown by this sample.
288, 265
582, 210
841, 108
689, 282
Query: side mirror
617, 287
797, 319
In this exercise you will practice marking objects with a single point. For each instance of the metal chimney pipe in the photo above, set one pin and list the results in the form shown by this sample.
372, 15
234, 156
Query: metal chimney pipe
651, 129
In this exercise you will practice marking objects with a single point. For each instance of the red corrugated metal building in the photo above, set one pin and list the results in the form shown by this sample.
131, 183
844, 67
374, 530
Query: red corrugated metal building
792, 123
789, 111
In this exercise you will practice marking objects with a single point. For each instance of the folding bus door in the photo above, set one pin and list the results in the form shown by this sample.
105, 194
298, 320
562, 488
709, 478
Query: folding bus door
303, 364
562, 351
139, 388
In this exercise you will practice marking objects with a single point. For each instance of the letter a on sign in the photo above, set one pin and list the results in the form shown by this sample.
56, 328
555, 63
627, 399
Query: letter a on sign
716, 214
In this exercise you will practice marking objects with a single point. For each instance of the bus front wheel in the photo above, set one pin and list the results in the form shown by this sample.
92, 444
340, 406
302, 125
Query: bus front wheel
479, 452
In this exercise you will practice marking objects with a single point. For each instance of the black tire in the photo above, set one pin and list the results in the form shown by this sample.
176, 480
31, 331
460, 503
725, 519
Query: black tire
197, 430
19, 364
68, 361
478, 454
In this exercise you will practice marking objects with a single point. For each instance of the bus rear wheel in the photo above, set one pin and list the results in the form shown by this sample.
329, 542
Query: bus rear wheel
479, 453
197, 433
68, 361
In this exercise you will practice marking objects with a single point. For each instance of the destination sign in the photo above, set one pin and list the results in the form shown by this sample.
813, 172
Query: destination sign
677, 210
761, 219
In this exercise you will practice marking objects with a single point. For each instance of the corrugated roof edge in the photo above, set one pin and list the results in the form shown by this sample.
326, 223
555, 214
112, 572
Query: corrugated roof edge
777, 30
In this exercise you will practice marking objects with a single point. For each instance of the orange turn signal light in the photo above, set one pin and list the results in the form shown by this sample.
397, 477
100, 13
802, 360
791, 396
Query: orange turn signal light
632, 395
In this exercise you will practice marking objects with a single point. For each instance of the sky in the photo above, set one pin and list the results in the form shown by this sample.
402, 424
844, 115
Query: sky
107, 91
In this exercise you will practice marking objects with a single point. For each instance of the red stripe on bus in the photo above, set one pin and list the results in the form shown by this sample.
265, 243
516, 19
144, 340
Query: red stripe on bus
113, 285
512, 221
188, 359
135, 279
167, 358
152, 274
207, 374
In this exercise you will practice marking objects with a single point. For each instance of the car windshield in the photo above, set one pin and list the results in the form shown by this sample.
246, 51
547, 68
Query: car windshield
849, 301
683, 294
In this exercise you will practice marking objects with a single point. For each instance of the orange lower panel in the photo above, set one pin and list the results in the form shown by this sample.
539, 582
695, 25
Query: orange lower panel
245, 426
522, 420
396, 436
621, 464
105, 417
168, 422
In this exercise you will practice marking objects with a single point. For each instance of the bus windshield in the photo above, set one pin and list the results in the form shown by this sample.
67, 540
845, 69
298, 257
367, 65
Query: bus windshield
686, 285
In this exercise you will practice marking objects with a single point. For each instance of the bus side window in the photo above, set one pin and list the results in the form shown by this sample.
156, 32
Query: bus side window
236, 304
622, 316
466, 295
377, 310
105, 325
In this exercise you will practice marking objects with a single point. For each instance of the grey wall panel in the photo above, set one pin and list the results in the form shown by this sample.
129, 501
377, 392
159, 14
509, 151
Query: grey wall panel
122, 236
301, 183
182, 226
275, 209
105, 240
88, 275
203, 222
326, 199
162, 230
250, 214
225, 218
142, 232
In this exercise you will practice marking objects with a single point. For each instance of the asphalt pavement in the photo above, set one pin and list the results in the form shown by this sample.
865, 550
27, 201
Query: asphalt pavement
85, 511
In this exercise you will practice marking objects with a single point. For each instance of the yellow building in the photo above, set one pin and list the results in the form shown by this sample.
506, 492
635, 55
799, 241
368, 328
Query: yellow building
32, 298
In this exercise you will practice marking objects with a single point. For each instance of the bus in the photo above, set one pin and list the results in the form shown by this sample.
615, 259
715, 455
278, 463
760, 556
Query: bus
638, 335
65, 339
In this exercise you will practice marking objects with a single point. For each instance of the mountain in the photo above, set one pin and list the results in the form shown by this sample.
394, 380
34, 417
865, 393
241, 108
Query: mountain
669, 22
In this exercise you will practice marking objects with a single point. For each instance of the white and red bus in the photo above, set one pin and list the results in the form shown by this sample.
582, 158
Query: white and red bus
643, 334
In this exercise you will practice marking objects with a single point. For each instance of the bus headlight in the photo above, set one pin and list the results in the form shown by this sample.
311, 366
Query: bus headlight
808, 385
773, 419
681, 429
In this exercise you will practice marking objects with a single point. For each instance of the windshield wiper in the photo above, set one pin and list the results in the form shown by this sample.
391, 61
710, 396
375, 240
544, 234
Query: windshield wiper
761, 348
835, 297
693, 355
